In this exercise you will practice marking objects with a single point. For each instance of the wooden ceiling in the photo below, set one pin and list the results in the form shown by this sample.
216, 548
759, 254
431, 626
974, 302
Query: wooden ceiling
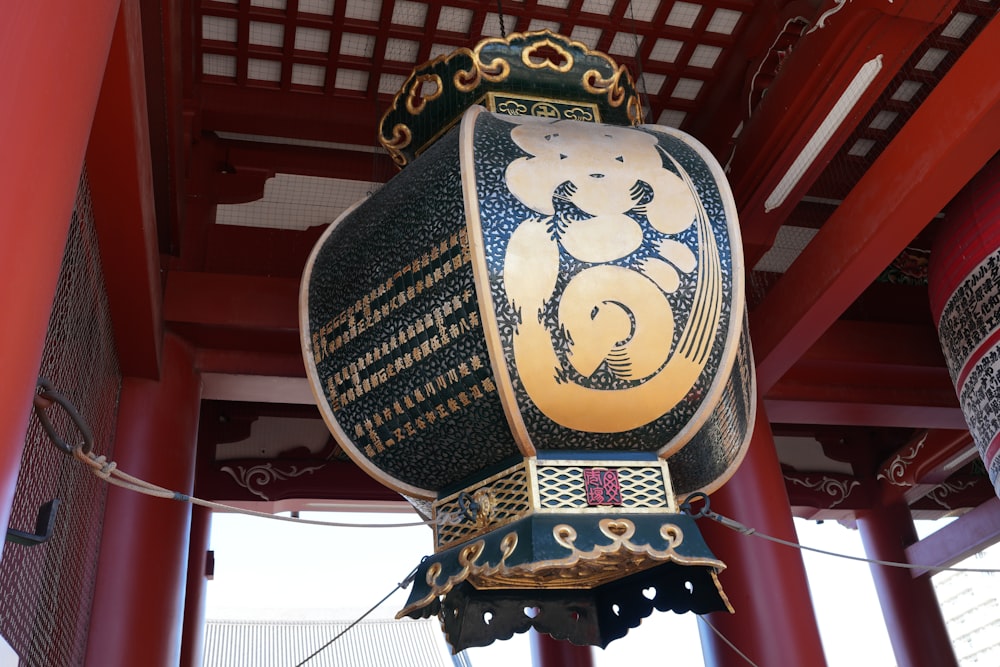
845, 128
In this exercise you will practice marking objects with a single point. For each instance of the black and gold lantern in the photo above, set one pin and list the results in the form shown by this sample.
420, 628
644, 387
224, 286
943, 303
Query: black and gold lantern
537, 330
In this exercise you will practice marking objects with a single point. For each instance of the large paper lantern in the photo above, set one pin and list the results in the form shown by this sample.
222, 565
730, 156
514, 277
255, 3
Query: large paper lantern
537, 330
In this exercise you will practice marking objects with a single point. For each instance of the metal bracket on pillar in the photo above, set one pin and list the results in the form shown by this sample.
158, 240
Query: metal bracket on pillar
44, 527
43, 400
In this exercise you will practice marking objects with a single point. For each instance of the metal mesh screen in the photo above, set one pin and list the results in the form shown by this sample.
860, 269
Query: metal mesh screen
46, 590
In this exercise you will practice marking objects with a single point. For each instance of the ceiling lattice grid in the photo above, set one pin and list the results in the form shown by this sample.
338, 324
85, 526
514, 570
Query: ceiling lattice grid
902, 97
365, 49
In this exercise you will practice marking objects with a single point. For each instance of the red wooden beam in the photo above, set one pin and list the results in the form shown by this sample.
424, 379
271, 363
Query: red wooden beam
310, 161
258, 389
241, 362
866, 383
317, 475
300, 115
266, 375
119, 168
214, 179
827, 491
857, 361
725, 105
885, 344
812, 79
161, 39
844, 413
242, 302
947, 140
258, 251
272, 480
970, 534
235, 338
910, 476
234, 312
926, 461
870, 374
959, 494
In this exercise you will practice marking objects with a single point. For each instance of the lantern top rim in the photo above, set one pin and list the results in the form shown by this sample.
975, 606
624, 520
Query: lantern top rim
515, 75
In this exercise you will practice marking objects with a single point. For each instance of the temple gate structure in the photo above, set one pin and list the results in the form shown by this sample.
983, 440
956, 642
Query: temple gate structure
168, 166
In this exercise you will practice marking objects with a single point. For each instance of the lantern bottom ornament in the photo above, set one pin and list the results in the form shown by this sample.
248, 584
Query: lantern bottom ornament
581, 550
586, 581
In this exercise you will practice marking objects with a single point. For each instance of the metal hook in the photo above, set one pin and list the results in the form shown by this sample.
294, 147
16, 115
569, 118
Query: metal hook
44, 526
467, 507
704, 511
43, 400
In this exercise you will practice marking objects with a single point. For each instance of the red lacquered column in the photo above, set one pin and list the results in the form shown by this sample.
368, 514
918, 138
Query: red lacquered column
549, 652
193, 639
910, 607
142, 571
766, 583
51, 65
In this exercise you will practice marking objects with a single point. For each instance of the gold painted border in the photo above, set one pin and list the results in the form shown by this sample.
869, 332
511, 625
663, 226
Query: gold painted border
602, 463
480, 272
572, 43
319, 393
417, 152
668, 485
418, 82
548, 64
502, 577
536, 494
401, 100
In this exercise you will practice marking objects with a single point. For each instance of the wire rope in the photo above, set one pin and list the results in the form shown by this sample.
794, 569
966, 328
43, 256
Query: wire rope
400, 586
727, 642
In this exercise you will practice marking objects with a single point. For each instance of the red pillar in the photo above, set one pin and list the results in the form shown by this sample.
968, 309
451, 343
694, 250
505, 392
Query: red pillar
193, 636
910, 607
766, 583
549, 652
51, 66
142, 570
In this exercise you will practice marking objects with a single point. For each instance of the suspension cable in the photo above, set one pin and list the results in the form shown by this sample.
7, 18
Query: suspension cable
108, 471
732, 524
730, 644
400, 586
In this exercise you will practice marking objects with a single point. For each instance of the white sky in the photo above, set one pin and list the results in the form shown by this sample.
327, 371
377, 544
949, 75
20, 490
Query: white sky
276, 570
